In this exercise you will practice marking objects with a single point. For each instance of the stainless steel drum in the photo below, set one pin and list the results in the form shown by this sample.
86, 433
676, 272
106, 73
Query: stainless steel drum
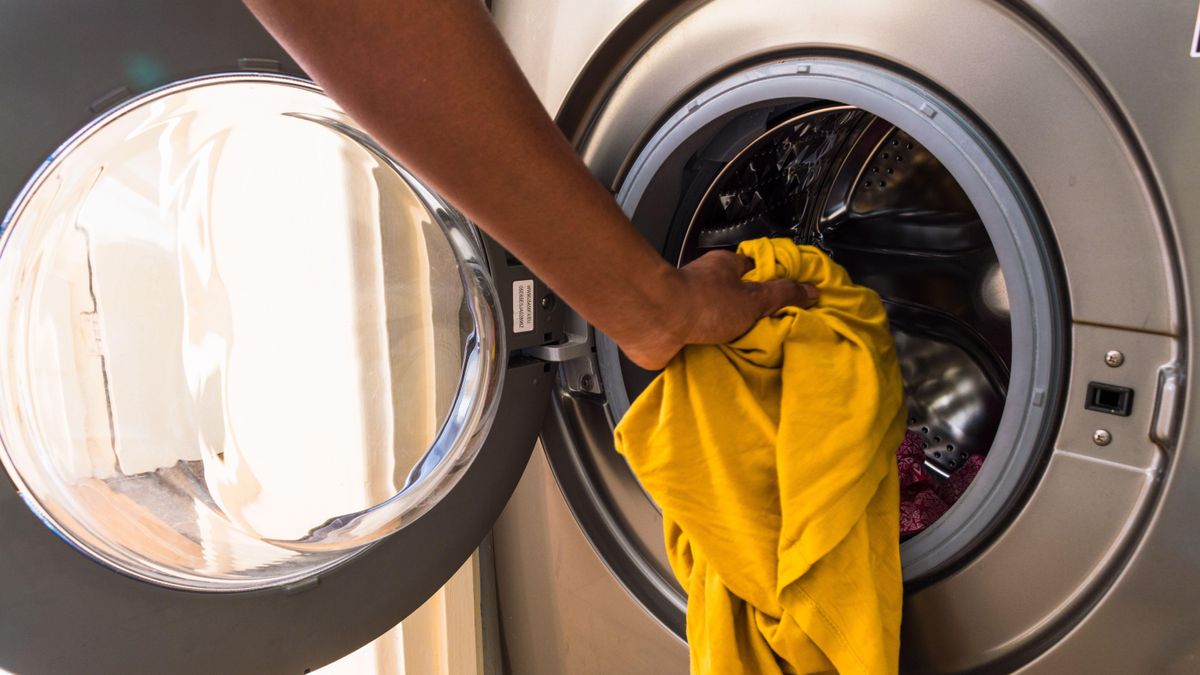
884, 207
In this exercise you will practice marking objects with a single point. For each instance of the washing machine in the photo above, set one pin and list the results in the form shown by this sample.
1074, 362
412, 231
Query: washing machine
264, 391
1014, 178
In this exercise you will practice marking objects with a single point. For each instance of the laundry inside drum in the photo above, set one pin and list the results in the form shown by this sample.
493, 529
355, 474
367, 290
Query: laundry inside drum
872, 197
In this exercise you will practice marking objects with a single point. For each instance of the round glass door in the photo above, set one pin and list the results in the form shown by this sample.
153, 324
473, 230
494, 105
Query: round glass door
239, 342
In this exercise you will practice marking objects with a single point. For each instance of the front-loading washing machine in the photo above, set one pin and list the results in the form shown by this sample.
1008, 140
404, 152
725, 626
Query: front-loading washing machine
238, 441
1014, 179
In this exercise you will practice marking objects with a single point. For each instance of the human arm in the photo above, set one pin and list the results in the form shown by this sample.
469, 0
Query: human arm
433, 82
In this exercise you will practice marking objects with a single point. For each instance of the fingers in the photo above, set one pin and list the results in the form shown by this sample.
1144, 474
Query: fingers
728, 262
780, 293
747, 264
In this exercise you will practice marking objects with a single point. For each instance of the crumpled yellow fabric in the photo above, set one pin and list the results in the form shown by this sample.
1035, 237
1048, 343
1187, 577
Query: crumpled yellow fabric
773, 460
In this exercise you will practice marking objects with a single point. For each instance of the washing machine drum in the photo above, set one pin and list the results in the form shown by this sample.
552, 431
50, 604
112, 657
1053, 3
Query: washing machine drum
883, 206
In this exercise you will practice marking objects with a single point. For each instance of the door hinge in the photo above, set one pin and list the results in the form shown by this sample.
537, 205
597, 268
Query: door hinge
575, 347
577, 372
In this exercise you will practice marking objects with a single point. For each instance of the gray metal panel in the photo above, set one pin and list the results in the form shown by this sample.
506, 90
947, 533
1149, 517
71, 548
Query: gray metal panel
1144, 354
1150, 620
61, 611
1035, 575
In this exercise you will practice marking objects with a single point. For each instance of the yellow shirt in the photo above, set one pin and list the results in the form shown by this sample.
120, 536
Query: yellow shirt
773, 460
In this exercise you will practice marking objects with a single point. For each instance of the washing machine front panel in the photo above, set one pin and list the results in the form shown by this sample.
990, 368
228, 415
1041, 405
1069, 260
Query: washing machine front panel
1148, 622
258, 378
1070, 534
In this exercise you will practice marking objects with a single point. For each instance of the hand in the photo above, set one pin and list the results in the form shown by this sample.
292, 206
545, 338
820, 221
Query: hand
710, 304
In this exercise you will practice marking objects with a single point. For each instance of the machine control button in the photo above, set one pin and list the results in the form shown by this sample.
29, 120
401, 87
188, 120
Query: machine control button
1109, 398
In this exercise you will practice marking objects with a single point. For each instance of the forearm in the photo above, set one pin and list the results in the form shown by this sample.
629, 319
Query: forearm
433, 82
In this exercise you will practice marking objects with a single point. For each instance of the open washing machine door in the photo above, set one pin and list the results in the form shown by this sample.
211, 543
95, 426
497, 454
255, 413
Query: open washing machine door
262, 395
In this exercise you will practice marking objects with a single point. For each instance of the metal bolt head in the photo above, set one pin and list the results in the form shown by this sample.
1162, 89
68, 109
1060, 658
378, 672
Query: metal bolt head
1101, 437
1114, 358
585, 382
548, 301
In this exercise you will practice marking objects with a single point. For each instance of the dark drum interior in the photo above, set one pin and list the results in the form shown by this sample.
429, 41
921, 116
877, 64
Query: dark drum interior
851, 183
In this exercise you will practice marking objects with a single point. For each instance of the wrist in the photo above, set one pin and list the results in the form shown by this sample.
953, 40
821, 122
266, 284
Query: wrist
672, 305
658, 313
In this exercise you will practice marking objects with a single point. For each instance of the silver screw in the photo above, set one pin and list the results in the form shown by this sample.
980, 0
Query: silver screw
1114, 358
1101, 437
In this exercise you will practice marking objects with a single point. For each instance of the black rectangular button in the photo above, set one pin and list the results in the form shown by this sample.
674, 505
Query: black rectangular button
1109, 398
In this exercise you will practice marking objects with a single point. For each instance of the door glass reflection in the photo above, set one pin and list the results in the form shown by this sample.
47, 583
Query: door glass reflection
228, 325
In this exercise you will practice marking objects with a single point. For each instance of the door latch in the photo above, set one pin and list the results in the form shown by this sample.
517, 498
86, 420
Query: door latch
1165, 426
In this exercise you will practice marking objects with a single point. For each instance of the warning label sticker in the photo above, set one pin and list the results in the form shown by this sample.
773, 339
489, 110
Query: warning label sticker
522, 306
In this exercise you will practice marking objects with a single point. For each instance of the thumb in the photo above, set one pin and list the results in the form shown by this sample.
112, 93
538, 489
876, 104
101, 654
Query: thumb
780, 293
